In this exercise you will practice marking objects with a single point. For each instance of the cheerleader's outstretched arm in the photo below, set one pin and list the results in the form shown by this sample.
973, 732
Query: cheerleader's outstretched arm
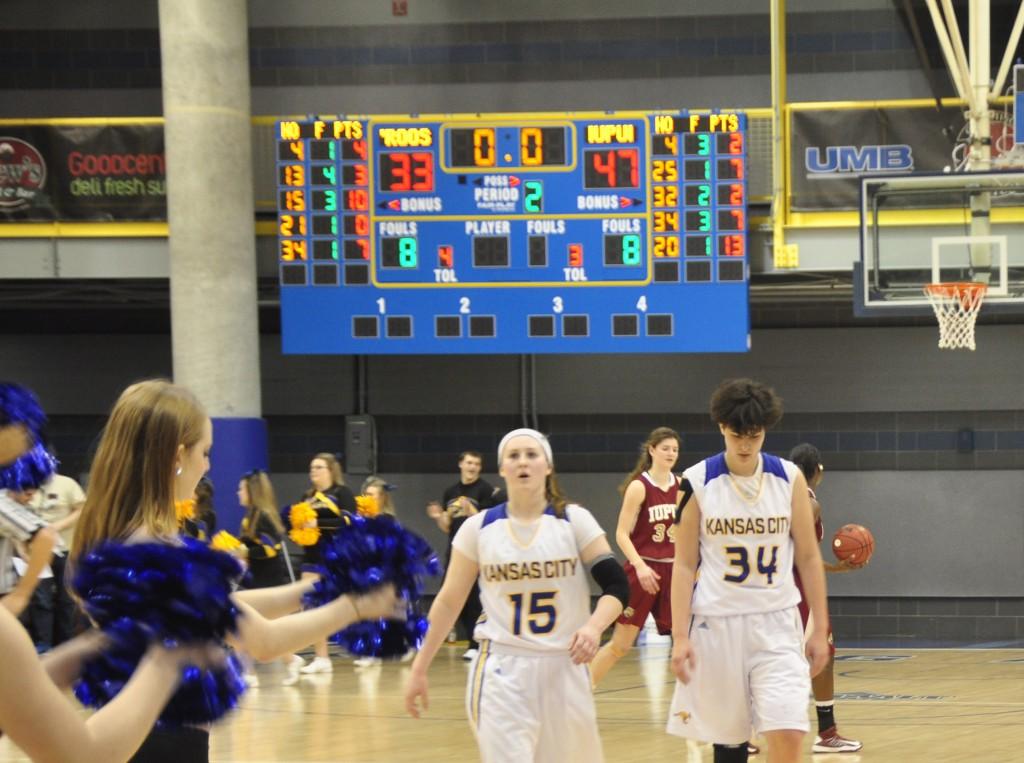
276, 601
266, 639
41, 721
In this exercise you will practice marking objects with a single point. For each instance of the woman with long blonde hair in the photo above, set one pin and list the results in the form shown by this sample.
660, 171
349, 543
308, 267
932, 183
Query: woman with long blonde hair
153, 451
261, 531
34, 711
261, 545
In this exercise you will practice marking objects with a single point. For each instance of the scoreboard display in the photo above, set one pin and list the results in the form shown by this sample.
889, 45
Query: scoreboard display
514, 233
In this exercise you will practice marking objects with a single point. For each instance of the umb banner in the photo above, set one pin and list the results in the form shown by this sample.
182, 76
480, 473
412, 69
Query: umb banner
104, 172
830, 149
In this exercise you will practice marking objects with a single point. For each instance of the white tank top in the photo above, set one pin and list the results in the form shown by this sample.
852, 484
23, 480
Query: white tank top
533, 584
746, 551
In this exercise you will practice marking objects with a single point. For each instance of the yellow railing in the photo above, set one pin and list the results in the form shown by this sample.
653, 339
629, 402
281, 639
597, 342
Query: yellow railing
759, 150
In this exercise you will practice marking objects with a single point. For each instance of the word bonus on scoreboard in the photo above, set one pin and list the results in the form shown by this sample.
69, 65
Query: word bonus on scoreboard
530, 233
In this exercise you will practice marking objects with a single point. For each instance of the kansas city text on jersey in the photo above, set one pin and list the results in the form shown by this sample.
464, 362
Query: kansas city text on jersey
746, 525
552, 568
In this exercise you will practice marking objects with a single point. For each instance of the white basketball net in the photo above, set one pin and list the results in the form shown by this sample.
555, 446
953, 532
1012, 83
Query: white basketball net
956, 307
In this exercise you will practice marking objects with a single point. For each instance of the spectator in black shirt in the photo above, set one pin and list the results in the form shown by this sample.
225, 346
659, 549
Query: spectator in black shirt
462, 500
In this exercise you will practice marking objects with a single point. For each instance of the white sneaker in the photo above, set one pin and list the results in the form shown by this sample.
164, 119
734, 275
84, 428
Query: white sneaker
295, 664
366, 662
830, 741
252, 680
470, 654
318, 665
408, 656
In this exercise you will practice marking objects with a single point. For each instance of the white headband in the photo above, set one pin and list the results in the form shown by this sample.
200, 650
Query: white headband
541, 440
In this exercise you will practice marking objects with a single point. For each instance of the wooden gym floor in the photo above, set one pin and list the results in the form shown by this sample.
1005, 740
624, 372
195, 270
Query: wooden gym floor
905, 705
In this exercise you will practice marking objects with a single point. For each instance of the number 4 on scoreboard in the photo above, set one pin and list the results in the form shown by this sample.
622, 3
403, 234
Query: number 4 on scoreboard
445, 256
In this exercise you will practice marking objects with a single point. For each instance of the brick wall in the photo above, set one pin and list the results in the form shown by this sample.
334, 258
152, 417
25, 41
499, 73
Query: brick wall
516, 51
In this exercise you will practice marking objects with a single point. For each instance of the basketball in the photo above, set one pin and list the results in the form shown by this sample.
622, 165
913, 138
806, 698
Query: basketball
853, 543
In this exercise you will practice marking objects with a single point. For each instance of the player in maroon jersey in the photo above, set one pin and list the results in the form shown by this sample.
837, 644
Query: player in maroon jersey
645, 533
808, 458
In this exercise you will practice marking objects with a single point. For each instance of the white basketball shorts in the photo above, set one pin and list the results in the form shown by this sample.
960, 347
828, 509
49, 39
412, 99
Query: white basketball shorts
750, 673
531, 709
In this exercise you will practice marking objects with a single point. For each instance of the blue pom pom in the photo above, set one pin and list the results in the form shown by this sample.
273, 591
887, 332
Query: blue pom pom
363, 555
29, 471
384, 638
19, 406
156, 592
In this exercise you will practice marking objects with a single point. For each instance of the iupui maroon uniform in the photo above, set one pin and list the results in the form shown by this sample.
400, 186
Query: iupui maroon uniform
805, 611
653, 537
653, 534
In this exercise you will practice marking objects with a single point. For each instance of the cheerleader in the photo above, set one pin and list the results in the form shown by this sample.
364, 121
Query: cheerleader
34, 711
260, 545
153, 451
379, 490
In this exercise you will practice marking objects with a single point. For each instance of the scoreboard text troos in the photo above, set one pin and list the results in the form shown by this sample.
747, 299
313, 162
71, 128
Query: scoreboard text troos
610, 232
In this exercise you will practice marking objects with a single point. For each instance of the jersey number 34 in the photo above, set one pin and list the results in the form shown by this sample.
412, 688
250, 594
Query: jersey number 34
739, 558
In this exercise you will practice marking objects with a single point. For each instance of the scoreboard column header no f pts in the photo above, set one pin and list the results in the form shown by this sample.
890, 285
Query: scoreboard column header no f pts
514, 233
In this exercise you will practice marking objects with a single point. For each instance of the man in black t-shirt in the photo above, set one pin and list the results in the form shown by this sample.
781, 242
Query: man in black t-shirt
462, 500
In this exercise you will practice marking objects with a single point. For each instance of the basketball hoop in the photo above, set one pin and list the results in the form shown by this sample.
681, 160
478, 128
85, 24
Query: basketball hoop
956, 305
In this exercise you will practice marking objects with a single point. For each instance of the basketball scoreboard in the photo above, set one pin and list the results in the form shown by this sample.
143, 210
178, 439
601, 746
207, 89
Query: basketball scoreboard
514, 233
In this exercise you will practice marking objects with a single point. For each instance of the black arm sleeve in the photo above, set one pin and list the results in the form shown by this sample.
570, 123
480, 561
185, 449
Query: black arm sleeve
608, 573
686, 490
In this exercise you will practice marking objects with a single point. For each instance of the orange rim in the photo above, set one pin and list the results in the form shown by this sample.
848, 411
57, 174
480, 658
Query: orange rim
954, 289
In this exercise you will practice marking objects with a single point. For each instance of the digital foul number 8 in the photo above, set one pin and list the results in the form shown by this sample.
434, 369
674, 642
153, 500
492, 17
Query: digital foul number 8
631, 250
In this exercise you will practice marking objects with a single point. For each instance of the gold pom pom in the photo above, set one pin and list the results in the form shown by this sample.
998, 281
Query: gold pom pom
304, 530
367, 505
225, 541
184, 510
305, 536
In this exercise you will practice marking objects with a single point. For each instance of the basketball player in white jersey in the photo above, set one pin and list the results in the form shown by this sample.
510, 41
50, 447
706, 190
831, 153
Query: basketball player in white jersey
528, 695
738, 651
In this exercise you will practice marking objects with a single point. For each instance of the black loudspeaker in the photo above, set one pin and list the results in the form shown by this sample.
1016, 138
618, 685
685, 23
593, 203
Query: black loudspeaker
360, 445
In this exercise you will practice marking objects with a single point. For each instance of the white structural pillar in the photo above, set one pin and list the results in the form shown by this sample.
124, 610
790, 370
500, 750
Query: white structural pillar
214, 331
979, 28
208, 137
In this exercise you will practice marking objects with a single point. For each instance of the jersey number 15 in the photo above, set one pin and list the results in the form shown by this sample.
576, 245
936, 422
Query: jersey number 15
540, 614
